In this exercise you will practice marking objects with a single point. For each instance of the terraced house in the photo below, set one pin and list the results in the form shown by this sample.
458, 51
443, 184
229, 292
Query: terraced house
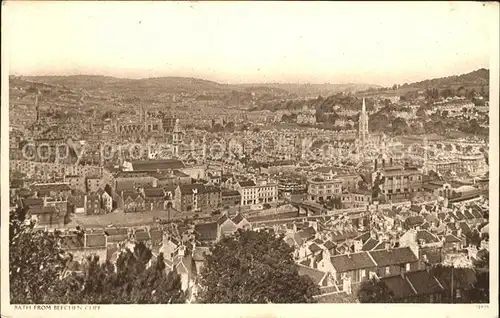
196, 197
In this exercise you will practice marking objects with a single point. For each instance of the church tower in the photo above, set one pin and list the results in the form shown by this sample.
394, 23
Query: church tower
363, 125
176, 137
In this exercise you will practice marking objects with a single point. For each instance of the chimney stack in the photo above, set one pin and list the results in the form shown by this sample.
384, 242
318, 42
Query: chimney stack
376, 161
383, 162
390, 161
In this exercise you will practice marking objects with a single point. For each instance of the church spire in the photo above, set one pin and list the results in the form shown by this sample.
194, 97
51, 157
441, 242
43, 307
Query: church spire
363, 108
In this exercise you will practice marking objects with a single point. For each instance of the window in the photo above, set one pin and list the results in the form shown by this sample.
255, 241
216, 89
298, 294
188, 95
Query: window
407, 267
458, 294
387, 270
363, 273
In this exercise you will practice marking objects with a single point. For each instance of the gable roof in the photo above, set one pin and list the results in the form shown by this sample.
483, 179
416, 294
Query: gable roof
307, 233
348, 262
343, 235
314, 248
238, 218
206, 231
247, 183
329, 245
315, 275
363, 237
370, 244
393, 256
427, 236
222, 219
458, 215
464, 227
318, 241
414, 220
398, 286
477, 212
423, 282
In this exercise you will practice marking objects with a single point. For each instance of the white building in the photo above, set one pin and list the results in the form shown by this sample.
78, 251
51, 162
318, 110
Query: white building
257, 193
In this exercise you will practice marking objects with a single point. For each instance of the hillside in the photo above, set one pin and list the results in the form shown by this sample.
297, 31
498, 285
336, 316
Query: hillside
473, 79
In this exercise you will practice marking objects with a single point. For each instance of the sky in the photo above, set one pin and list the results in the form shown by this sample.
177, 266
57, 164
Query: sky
243, 42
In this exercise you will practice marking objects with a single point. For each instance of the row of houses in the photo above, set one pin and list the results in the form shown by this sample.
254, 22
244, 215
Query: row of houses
184, 247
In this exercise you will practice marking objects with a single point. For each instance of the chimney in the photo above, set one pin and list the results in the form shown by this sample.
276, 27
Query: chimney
376, 161
383, 162
390, 161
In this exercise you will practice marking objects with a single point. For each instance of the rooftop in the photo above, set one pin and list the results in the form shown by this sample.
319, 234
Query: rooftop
155, 165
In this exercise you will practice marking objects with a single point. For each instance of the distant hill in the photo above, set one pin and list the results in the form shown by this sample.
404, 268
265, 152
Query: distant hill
313, 89
186, 84
131, 86
473, 79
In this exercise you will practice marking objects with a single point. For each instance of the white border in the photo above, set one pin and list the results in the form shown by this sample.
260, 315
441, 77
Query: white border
317, 310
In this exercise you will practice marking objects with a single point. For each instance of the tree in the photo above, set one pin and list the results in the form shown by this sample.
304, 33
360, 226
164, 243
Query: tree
481, 291
253, 267
379, 121
421, 112
399, 126
34, 261
375, 291
473, 238
470, 93
447, 92
41, 272
133, 281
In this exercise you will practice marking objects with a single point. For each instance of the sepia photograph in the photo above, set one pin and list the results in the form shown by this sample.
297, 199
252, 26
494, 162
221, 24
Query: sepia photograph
165, 153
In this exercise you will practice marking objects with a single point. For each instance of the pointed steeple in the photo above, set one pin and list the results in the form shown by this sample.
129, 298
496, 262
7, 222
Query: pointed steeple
363, 108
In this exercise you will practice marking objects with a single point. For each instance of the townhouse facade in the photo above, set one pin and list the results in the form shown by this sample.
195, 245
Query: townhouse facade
257, 192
